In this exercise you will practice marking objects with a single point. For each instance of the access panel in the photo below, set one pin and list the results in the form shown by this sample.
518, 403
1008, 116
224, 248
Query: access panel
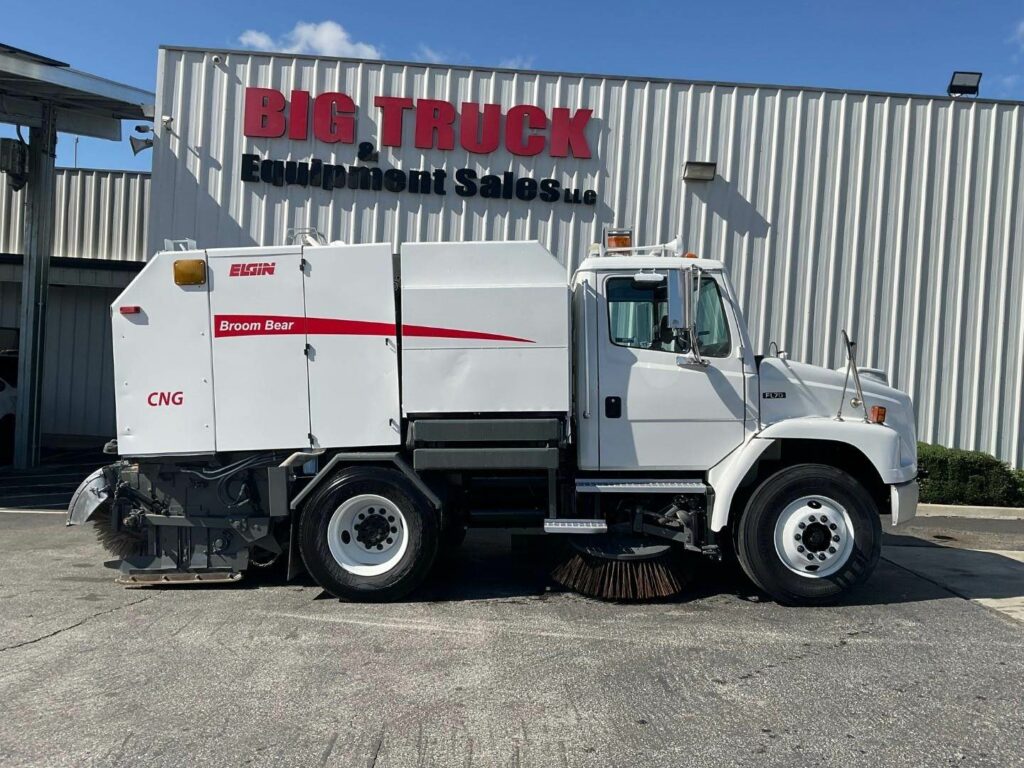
259, 349
353, 346
162, 368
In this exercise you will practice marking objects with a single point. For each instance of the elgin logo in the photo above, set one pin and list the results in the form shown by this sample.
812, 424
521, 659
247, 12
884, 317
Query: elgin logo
252, 269
165, 398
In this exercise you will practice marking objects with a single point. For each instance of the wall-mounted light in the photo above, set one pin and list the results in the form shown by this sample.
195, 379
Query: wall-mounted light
964, 84
697, 170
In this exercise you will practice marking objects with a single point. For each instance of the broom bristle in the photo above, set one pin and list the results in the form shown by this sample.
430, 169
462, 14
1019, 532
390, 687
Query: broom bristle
121, 543
625, 580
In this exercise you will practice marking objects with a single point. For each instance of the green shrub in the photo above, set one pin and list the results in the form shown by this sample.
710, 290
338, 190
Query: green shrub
968, 477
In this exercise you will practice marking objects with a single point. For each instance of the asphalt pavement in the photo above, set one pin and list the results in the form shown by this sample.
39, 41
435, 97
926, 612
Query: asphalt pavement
487, 665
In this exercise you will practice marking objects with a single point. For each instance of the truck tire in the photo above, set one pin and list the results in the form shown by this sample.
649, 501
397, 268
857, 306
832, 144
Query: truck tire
808, 534
368, 535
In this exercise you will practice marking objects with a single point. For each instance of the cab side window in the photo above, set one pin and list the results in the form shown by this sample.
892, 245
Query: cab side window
713, 338
638, 318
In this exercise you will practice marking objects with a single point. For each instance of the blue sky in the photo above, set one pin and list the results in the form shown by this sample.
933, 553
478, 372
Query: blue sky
886, 46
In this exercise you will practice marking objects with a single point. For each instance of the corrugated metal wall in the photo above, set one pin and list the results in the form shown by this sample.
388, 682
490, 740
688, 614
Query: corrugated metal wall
78, 382
10, 302
99, 215
899, 218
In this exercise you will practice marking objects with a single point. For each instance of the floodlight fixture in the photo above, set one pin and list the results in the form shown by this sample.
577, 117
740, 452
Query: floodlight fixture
964, 84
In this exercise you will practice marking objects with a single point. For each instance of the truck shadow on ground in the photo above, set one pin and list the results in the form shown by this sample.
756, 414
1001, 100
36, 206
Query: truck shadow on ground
492, 565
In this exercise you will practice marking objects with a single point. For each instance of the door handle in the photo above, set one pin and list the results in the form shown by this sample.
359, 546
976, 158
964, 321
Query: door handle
690, 360
613, 407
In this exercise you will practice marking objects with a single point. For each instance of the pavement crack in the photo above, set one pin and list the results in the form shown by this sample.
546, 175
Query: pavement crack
77, 624
376, 750
329, 749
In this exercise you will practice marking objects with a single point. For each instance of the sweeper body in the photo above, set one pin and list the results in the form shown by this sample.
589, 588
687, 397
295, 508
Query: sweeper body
352, 411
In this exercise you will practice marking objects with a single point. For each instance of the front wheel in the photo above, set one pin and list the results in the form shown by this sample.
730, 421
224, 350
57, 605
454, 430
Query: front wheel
809, 533
368, 534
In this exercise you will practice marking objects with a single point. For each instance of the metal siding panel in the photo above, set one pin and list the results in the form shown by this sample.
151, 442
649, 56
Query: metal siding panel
10, 304
98, 215
78, 382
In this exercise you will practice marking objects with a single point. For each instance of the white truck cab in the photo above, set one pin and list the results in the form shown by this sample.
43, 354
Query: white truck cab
351, 412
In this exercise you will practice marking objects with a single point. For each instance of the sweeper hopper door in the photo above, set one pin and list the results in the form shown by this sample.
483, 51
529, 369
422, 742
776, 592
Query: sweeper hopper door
304, 350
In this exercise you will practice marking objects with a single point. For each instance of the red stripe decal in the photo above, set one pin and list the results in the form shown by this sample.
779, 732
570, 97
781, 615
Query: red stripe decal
284, 325
454, 333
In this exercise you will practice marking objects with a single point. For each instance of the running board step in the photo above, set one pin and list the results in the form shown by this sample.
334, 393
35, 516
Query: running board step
574, 525
640, 486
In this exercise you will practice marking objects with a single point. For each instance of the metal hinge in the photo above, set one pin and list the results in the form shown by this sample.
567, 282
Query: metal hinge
307, 349
303, 264
312, 440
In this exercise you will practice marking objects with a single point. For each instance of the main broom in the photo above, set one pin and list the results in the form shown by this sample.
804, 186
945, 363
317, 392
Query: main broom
623, 568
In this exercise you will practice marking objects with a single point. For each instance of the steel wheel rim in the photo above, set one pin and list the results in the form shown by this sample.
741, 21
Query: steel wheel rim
367, 535
814, 536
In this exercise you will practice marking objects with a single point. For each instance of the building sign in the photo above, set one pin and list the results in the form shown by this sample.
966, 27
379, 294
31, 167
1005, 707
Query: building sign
523, 130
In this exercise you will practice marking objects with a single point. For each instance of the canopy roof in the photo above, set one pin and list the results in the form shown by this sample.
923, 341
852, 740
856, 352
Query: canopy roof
86, 105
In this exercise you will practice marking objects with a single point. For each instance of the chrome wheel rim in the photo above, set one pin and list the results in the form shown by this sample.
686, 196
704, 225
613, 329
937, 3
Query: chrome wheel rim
367, 535
814, 536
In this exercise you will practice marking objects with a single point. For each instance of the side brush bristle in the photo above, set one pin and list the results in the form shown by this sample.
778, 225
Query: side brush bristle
120, 543
624, 580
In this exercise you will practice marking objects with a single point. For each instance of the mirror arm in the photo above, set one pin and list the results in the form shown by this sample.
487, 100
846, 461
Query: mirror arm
692, 329
694, 356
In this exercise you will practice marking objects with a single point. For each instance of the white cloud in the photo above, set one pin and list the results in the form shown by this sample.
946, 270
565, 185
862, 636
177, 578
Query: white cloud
326, 38
426, 53
259, 40
1018, 34
517, 62
1009, 86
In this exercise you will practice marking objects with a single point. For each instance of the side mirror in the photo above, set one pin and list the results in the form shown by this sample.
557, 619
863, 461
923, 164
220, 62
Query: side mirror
679, 298
681, 283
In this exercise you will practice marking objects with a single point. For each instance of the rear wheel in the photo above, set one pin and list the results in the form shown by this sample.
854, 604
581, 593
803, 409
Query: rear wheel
809, 533
368, 535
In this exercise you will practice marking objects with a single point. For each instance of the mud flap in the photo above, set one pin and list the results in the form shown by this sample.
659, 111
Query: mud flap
903, 499
295, 564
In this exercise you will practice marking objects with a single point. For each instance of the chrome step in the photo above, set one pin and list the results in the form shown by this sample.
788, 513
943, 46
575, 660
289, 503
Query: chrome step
605, 485
574, 525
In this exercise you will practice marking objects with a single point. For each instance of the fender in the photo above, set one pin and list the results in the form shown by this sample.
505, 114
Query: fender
725, 477
879, 444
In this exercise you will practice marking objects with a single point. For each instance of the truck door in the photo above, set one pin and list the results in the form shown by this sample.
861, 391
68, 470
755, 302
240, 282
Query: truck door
259, 339
656, 414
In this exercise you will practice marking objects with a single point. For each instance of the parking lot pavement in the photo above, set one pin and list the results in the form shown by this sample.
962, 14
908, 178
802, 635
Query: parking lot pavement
487, 667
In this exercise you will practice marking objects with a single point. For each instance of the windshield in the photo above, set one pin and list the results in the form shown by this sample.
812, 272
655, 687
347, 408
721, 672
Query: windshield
638, 318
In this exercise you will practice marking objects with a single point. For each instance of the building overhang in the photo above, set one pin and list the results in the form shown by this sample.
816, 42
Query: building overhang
86, 105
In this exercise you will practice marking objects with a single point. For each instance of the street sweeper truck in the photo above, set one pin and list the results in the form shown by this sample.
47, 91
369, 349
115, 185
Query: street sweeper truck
352, 411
